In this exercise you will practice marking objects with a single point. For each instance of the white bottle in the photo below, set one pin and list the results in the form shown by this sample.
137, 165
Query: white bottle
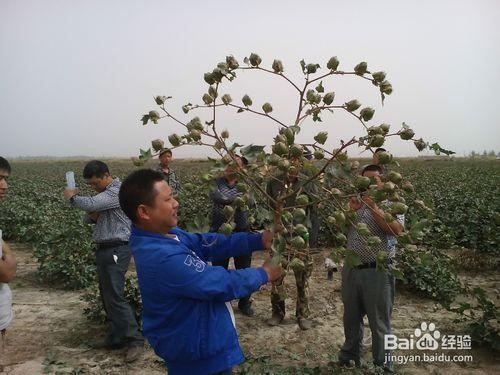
70, 180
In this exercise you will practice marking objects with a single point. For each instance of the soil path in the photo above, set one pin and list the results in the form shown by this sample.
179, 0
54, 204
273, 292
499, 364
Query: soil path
49, 332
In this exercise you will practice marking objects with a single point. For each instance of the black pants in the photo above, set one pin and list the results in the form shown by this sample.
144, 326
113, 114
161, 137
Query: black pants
112, 264
244, 261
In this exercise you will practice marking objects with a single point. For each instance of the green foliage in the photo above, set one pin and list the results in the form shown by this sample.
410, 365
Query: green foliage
94, 308
430, 273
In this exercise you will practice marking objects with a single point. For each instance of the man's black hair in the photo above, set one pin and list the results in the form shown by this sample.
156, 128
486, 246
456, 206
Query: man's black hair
137, 189
95, 168
4, 165
380, 149
372, 167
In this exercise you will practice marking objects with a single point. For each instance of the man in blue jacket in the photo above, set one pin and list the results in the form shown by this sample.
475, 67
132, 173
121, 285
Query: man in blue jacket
187, 318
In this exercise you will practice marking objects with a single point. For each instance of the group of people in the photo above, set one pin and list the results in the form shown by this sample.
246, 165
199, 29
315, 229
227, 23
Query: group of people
184, 280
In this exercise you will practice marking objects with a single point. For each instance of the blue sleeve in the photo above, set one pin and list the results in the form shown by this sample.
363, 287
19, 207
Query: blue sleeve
186, 276
217, 246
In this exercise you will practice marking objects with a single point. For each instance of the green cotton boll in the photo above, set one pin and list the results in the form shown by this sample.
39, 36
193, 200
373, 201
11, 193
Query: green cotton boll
319, 155
174, 139
160, 99
406, 134
255, 59
302, 200
312, 68
242, 187
289, 134
207, 99
367, 113
331, 221
385, 128
377, 140
352, 105
361, 68
333, 63
389, 187
362, 183
296, 264
394, 177
311, 96
238, 202
339, 217
157, 144
328, 98
298, 243
226, 99
226, 229
277, 66
300, 229
231, 62
267, 108
296, 150
280, 149
287, 217
420, 144
224, 134
384, 157
378, 76
408, 187
209, 78
284, 165
299, 214
340, 239
247, 101
362, 229
385, 87
228, 211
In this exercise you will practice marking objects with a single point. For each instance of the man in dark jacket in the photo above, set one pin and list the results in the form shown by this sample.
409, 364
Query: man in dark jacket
224, 192
187, 318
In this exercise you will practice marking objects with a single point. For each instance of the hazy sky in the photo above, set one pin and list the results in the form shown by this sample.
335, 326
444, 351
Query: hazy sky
76, 76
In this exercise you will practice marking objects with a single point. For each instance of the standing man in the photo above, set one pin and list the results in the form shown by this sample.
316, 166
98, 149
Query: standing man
8, 264
111, 234
224, 192
366, 290
275, 188
168, 173
186, 316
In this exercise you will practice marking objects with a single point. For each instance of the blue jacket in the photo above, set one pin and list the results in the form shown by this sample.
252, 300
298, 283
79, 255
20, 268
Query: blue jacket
185, 317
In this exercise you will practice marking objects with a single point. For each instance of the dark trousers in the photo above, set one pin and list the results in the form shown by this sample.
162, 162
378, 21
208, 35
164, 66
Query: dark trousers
244, 261
367, 292
112, 264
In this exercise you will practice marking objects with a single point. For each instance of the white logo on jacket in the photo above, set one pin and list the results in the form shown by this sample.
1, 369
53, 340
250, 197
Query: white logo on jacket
195, 262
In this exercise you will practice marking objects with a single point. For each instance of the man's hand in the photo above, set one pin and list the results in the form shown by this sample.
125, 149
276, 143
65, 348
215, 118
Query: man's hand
369, 202
267, 239
273, 271
8, 264
94, 215
68, 193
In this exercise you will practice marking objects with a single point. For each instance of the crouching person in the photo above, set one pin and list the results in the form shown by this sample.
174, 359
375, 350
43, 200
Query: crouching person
186, 316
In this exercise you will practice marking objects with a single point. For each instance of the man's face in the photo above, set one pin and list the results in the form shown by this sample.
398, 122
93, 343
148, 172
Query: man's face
374, 176
165, 159
4, 175
232, 169
162, 215
99, 184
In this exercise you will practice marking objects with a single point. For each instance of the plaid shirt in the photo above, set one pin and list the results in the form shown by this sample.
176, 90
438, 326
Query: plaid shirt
171, 179
112, 224
356, 242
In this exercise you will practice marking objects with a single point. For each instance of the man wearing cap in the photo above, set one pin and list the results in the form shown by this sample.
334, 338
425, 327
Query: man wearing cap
111, 234
168, 173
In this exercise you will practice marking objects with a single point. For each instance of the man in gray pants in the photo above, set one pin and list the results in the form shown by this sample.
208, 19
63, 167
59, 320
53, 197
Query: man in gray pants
111, 234
365, 289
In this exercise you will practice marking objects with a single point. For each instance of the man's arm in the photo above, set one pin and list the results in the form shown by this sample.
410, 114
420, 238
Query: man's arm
217, 197
216, 246
187, 277
100, 202
394, 227
8, 264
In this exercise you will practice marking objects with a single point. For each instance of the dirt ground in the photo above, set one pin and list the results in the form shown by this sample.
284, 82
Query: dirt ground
49, 332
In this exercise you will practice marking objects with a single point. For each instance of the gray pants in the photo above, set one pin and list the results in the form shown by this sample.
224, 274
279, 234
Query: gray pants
366, 292
122, 326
